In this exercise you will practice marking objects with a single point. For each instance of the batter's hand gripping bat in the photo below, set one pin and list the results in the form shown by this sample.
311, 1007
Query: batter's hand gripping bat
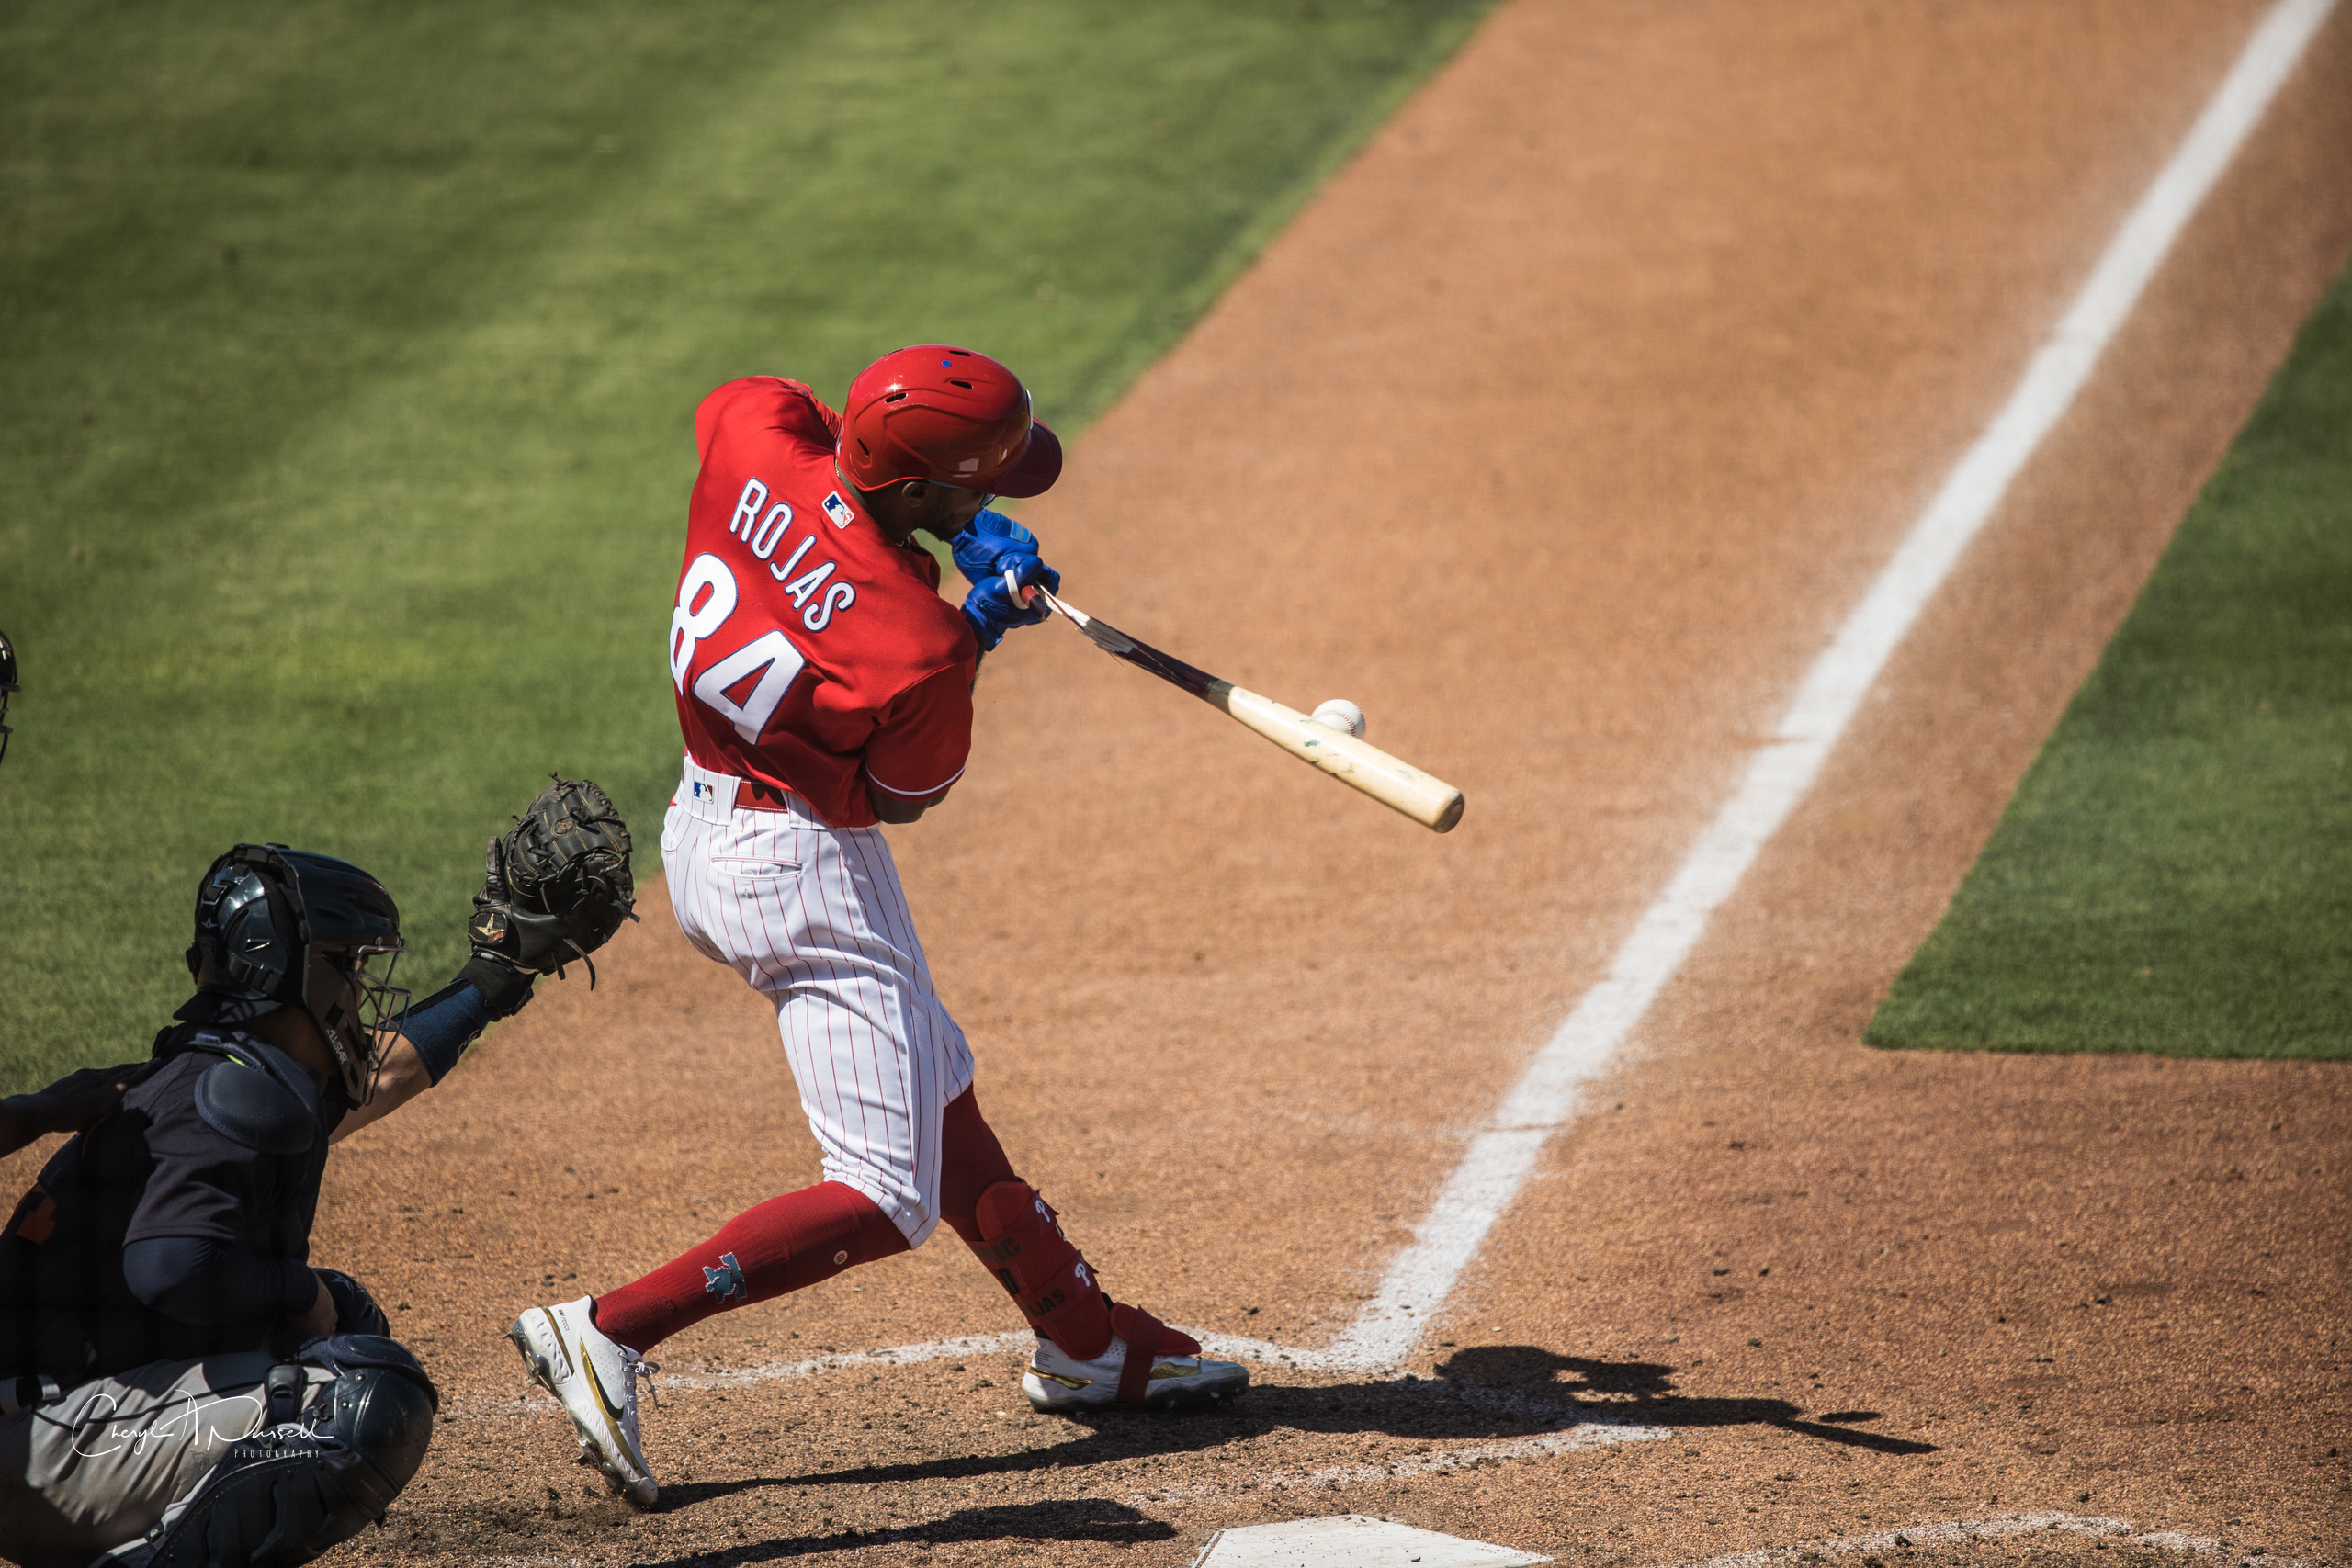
1432, 802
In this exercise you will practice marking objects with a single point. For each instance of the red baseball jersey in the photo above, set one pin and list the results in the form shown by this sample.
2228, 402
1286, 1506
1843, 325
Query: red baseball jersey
807, 651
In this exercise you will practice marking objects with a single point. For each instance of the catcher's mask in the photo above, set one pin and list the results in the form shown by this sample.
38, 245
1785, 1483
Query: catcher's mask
8, 688
282, 927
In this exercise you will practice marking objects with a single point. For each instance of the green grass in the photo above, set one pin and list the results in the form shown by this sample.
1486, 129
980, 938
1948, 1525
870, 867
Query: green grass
2174, 873
352, 350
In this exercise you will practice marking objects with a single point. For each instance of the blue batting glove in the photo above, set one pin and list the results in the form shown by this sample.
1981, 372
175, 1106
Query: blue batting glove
993, 610
980, 550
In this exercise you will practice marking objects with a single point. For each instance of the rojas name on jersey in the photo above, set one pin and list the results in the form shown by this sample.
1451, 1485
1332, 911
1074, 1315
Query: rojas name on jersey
818, 599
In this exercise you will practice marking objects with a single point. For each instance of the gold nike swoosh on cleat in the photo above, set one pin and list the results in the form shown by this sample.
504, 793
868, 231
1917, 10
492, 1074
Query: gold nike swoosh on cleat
1056, 1377
611, 1412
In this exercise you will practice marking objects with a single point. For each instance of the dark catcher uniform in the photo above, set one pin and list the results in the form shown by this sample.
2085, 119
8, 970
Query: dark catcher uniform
145, 1283
158, 1401
203, 1184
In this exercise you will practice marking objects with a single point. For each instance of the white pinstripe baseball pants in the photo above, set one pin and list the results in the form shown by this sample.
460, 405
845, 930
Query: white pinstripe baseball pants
814, 917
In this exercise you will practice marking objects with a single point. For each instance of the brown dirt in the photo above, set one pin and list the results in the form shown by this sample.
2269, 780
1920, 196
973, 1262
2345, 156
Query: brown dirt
1558, 433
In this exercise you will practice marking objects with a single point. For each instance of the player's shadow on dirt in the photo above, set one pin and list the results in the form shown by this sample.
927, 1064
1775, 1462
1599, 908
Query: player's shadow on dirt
1642, 1393
1079, 1518
1485, 1395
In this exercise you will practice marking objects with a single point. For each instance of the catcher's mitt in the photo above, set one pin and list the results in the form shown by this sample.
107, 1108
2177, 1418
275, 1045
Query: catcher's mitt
556, 885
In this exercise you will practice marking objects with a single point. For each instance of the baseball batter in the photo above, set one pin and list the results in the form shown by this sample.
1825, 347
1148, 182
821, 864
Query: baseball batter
824, 687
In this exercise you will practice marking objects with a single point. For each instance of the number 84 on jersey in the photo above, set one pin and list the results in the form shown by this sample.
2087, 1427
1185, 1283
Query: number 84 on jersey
707, 597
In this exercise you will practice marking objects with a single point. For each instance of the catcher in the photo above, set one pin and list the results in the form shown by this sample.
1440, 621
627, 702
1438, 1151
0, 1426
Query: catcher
177, 1384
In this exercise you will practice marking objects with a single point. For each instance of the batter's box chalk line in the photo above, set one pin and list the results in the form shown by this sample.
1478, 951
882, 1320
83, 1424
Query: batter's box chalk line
1574, 1427
1263, 1352
481, 1405
1957, 1532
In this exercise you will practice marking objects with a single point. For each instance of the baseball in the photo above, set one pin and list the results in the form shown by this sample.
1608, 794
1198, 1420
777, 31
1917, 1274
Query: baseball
1341, 713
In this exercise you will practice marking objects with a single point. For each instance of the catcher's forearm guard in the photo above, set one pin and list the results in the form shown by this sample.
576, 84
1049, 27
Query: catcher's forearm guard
555, 887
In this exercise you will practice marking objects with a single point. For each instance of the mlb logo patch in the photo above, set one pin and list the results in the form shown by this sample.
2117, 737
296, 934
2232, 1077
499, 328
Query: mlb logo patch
838, 510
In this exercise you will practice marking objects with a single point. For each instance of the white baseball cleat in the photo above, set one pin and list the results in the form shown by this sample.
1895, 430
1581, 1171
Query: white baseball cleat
594, 1379
1172, 1375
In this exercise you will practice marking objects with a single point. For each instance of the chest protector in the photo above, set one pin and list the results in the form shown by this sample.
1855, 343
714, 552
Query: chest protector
65, 1306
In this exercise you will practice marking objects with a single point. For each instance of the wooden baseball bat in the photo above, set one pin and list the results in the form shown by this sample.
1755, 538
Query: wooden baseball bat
1430, 801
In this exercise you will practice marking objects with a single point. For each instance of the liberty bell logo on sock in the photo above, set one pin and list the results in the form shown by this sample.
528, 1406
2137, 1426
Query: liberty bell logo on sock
726, 1282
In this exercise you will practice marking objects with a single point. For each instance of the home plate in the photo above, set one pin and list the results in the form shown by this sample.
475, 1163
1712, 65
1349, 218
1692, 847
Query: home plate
1351, 1541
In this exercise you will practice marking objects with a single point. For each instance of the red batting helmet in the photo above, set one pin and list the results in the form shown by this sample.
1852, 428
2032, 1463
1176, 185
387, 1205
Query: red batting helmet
948, 415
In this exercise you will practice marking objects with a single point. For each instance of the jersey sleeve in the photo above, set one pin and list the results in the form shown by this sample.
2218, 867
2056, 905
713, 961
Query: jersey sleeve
201, 1184
765, 403
924, 736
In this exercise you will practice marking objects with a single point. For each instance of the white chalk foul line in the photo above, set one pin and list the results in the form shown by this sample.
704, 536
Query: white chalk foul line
2116, 1532
1503, 1153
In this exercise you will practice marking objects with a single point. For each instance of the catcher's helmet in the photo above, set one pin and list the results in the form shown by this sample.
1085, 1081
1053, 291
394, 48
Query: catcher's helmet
948, 415
281, 928
8, 687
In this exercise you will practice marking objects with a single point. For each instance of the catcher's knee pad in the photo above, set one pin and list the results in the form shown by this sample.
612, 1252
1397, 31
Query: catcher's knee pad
1041, 1270
292, 1491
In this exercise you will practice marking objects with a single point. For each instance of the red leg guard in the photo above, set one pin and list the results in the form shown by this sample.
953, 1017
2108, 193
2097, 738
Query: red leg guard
1044, 1273
1013, 1231
785, 1244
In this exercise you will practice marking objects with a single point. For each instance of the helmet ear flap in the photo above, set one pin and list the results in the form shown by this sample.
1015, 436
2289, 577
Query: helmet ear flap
248, 925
